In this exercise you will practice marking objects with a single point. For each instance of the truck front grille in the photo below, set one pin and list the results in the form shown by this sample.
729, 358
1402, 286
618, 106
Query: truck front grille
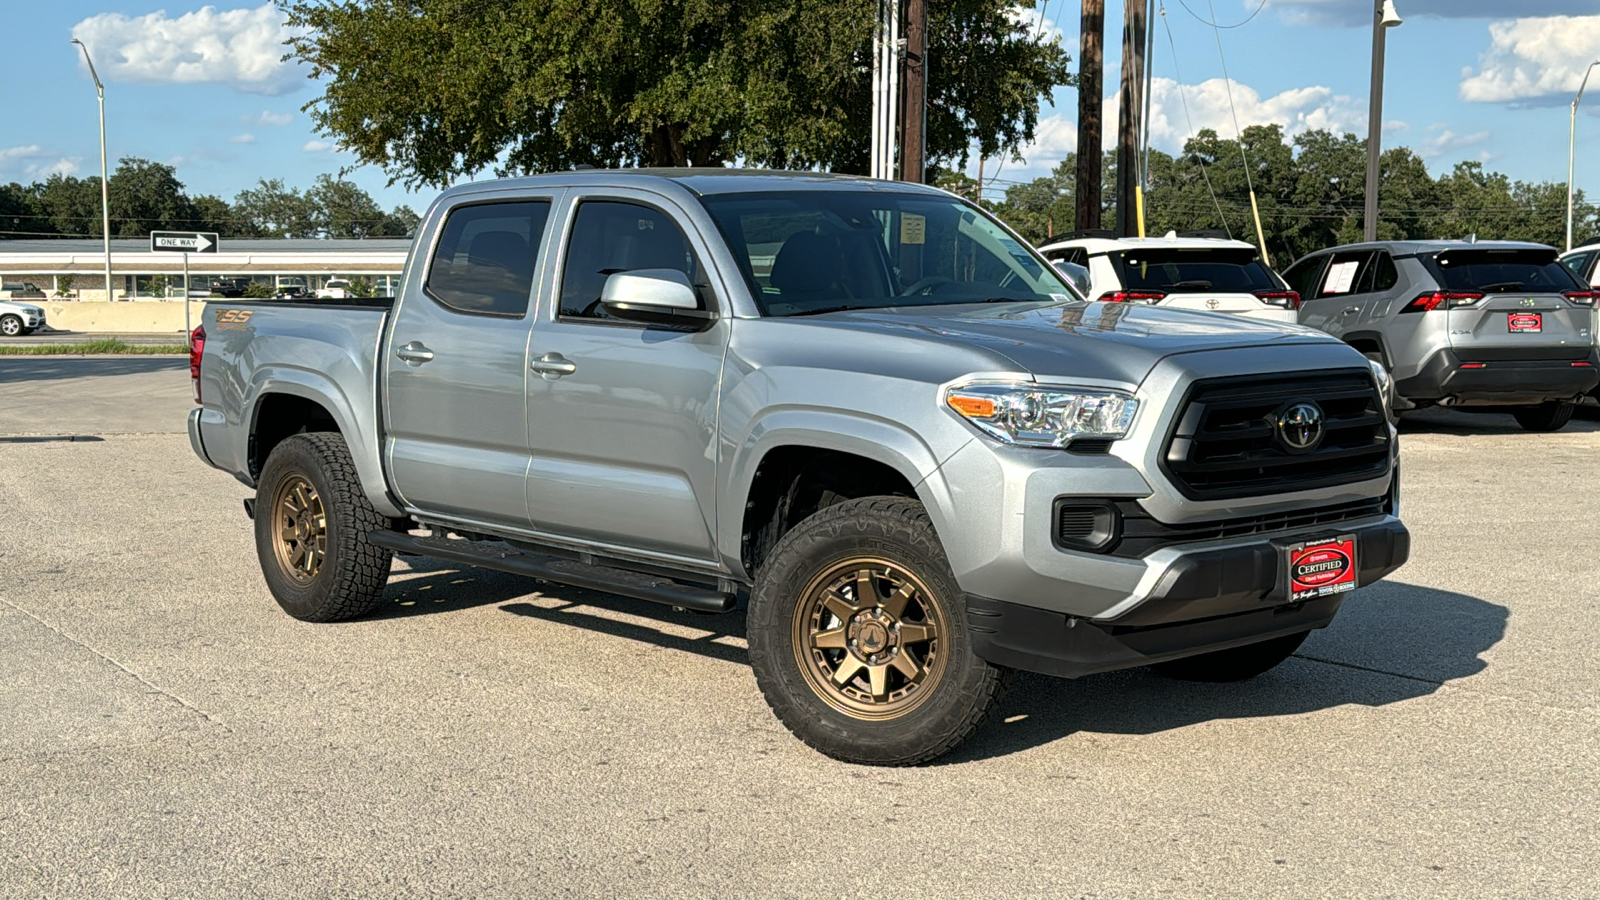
1228, 441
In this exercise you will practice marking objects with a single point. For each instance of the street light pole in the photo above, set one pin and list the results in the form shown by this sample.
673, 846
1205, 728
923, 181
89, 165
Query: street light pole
1384, 17
105, 194
1572, 140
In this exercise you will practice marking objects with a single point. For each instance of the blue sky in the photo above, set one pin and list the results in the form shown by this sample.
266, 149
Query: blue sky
201, 87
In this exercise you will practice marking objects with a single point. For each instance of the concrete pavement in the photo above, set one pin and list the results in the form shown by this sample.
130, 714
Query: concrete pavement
166, 730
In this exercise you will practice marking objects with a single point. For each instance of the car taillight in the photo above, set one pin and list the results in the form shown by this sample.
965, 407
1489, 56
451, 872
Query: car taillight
1132, 296
1442, 299
1285, 299
1587, 298
197, 351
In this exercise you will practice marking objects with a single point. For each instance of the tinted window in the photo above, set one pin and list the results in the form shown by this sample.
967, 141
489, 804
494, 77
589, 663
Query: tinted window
1499, 271
1074, 255
1193, 271
1302, 276
1379, 275
1344, 273
817, 251
609, 237
486, 256
1578, 264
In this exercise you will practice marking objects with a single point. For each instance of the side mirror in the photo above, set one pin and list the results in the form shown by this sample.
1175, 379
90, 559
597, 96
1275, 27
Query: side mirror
654, 296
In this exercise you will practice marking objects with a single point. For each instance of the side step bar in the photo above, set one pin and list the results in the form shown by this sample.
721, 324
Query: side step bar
639, 586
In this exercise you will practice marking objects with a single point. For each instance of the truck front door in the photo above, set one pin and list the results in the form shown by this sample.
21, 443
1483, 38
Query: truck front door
455, 397
622, 416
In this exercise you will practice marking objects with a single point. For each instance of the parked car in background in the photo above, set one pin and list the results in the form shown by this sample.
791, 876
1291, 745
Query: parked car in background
20, 290
18, 318
859, 407
292, 288
1078, 275
229, 287
1492, 325
1584, 260
335, 289
1199, 273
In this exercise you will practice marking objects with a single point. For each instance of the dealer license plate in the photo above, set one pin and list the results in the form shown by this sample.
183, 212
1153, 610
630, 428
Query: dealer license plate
1525, 322
1320, 568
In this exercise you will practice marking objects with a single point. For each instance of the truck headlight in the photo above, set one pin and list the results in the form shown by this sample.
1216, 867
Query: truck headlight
1385, 386
1034, 416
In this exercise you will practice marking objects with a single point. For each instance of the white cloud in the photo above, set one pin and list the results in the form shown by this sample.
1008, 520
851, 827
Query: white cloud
1034, 21
245, 138
267, 117
242, 48
29, 151
32, 162
66, 165
1533, 59
1445, 141
318, 147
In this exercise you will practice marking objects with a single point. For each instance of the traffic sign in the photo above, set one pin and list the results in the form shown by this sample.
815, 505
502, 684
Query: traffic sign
183, 242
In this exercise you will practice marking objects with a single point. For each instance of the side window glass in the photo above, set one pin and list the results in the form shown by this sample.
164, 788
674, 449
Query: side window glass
1383, 274
1302, 276
1343, 274
610, 236
485, 258
1579, 264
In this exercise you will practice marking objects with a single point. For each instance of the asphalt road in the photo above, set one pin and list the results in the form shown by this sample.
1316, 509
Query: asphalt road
166, 731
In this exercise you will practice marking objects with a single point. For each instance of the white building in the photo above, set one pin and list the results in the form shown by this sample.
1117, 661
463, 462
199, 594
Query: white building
73, 268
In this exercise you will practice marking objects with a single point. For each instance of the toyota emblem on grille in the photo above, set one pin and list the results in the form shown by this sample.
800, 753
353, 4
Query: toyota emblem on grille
1300, 426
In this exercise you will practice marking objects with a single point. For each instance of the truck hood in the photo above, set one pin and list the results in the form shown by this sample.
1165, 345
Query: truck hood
1116, 342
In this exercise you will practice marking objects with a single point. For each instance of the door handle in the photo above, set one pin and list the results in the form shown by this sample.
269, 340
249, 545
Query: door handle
414, 353
553, 366
1352, 310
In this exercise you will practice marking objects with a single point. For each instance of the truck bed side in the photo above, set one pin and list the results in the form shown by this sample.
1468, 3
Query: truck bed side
272, 369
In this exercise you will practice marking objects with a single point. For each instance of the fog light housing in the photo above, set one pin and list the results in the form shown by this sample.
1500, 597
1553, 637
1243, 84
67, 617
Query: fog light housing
1093, 526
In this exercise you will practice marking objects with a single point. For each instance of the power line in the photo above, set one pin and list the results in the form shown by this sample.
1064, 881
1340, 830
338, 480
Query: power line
1212, 21
1187, 119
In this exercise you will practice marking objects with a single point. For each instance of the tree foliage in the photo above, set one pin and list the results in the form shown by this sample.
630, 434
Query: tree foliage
434, 89
1311, 193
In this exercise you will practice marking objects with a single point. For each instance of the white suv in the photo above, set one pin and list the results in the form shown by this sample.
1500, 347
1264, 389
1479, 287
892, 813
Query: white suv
1199, 273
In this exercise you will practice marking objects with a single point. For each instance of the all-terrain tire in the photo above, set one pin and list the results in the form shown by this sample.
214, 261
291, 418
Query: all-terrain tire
1551, 416
1234, 664
892, 539
10, 326
350, 577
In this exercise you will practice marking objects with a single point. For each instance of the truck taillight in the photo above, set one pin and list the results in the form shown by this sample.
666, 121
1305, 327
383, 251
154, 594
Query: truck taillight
197, 351
1442, 300
1132, 296
1587, 298
1285, 299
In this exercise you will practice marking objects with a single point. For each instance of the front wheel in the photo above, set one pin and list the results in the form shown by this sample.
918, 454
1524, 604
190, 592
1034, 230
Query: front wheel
858, 637
312, 522
10, 326
1234, 664
1551, 416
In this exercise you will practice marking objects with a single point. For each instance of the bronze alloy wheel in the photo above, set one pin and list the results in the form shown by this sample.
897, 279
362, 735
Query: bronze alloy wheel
869, 638
300, 525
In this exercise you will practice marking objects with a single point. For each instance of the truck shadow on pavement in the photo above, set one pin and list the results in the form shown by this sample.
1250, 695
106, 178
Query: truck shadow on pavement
1440, 420
15, 369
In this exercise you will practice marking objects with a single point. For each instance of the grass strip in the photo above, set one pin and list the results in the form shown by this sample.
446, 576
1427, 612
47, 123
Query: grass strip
93, 348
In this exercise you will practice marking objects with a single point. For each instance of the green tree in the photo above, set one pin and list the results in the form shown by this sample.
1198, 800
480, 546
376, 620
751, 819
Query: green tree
71, 205
271, 210
19, 212
401, 222
434, 89
344, 210
214, 214
147, 196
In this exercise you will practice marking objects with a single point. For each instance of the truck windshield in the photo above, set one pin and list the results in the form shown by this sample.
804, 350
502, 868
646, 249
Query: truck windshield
807, 252
1201, 270
1499, 271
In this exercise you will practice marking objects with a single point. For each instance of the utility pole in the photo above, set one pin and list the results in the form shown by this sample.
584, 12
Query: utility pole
1384, 17
1091, 55
913, 132
885, 88
1130, 107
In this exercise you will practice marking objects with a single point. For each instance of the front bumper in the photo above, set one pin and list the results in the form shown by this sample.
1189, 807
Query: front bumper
1503, 381
1203, 599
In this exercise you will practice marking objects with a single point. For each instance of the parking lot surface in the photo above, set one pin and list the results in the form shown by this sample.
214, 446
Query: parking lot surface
166, 730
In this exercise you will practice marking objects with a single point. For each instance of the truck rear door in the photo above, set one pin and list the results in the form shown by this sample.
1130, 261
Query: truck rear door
622, 416
455, 395
1504, 303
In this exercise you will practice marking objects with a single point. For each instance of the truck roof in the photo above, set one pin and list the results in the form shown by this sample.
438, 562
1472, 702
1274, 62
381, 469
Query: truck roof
703, 180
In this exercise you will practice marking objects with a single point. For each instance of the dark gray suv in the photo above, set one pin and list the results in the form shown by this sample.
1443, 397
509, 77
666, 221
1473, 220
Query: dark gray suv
1493, 325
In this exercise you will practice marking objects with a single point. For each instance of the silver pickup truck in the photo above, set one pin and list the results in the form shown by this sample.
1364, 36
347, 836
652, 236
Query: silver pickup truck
865, 410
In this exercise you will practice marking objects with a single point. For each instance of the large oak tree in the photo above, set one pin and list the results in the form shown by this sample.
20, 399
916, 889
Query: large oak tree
435, 89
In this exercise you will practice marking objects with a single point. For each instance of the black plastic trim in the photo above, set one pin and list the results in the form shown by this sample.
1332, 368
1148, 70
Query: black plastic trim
1524, 380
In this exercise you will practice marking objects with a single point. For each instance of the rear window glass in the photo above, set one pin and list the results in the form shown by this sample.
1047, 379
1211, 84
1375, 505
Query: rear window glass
1193, 271
1500, 271
484, 261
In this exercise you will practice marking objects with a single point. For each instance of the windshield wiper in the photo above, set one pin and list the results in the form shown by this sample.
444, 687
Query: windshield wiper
1503, 286
1193, 284
830, 309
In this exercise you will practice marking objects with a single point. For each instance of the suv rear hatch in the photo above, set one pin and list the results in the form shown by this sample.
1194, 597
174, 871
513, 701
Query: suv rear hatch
1508, 304
1208, 279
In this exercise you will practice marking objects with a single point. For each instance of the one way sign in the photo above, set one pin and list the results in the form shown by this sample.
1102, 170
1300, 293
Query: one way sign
182, 242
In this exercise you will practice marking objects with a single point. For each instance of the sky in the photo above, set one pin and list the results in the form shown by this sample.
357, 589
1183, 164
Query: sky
203, 88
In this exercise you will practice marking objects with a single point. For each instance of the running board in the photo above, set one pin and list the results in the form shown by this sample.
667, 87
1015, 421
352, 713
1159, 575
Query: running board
654, 588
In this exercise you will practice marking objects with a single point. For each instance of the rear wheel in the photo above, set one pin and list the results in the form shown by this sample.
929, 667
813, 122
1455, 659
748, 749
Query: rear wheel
858, 637
312, 522
10, 326
1234, 664
1552, 416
